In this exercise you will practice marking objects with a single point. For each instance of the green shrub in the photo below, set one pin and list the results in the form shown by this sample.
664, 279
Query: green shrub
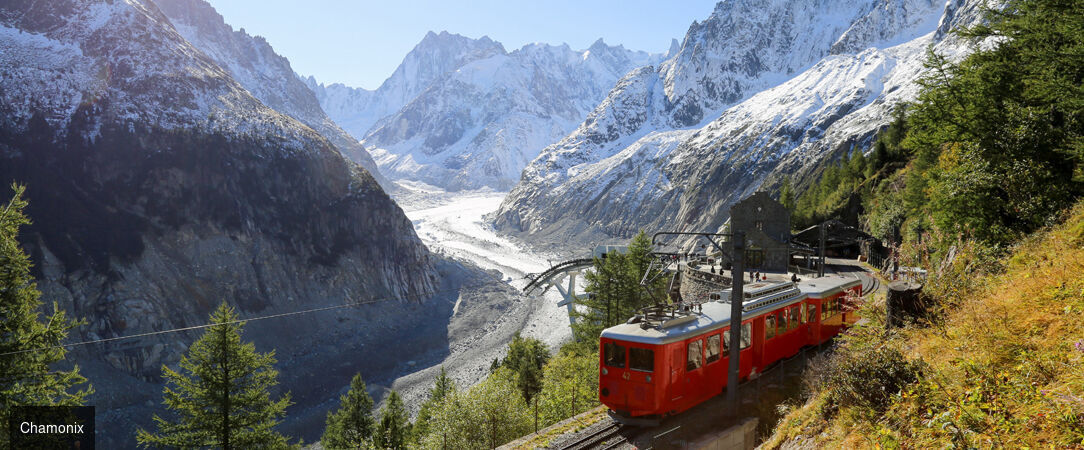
868, 378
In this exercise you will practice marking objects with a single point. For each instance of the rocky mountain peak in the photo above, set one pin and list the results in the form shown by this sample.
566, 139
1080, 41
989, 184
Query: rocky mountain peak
481, 123
253, 63
755, 90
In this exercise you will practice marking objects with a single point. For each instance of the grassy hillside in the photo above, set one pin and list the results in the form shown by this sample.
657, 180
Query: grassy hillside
1001, 364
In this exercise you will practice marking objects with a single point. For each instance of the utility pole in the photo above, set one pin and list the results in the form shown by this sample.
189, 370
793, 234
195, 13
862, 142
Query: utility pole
736, 303
820, 271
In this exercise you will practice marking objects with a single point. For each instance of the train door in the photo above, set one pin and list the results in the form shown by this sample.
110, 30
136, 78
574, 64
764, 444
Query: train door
714, 369
677, 372
694, 369
745, 363
794, 328
724, 358
757, 352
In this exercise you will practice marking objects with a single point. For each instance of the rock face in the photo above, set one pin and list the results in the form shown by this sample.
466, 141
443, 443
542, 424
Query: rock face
262, 72
756, 91
160, 186
463, 113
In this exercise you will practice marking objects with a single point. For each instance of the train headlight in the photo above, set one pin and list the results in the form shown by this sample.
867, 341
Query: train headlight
605, 372
649, 378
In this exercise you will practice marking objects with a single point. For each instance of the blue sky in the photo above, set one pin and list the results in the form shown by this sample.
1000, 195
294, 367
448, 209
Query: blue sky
359, 43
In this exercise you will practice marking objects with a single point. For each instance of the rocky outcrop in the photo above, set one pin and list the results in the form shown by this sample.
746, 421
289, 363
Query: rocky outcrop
252, 62
160, 187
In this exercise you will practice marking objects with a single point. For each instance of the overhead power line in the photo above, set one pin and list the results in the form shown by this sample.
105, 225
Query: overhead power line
253, 319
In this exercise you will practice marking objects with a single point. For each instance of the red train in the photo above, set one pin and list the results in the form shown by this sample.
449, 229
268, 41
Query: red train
663, 363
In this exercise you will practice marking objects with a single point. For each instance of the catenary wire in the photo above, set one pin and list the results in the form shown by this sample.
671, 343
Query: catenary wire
253, 319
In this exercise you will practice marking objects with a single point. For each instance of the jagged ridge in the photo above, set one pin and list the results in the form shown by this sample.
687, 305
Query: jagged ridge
754, 93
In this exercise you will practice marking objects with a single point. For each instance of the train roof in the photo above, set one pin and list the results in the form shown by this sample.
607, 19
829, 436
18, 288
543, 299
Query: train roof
760, 297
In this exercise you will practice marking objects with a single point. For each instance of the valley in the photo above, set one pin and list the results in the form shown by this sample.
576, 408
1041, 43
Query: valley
174, 162
484, 317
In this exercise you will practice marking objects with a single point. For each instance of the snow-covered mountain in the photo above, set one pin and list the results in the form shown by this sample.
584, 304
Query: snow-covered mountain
357, 109
757, 90
159, 187
476, 114
252, 62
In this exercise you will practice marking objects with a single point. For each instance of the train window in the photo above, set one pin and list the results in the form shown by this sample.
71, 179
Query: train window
746, 335
713, 348
783, 321
642, 359
726, 341
811, 313
801, 314
614, 355
794, 317
695, 350
769, 326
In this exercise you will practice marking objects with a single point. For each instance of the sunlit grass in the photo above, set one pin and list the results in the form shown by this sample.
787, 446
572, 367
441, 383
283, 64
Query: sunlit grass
1005, 361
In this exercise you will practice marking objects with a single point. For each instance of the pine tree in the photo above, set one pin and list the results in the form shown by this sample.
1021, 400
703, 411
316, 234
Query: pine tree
786, 195
394, 426
997, 137
526, 358
352, 425
25, 378
615, 291
442, 388
221, 393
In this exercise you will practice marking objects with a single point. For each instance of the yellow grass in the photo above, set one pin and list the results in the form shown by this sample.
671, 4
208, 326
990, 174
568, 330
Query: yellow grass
1006, 368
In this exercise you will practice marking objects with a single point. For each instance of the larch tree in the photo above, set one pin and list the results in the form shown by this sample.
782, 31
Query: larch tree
221, 394
443, 387
786, 195
394, 427
526, 358
615, 290
998, 137
29, 347
352, 425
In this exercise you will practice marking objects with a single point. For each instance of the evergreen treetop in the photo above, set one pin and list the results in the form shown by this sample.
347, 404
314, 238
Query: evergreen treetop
353, 424
394, 427
615, 290
443, 387
221, 394
526, 357
29, 346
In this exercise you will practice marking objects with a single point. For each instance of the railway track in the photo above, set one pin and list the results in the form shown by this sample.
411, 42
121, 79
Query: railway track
605, 438
874, 284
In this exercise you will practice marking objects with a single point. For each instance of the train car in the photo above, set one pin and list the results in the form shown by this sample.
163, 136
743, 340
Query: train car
667, 360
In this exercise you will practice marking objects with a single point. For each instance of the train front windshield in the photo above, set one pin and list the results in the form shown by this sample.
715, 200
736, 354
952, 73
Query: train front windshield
614, 355
642, 359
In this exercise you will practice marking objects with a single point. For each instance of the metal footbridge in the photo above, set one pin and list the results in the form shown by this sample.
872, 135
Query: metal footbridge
554, 277
556, 271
